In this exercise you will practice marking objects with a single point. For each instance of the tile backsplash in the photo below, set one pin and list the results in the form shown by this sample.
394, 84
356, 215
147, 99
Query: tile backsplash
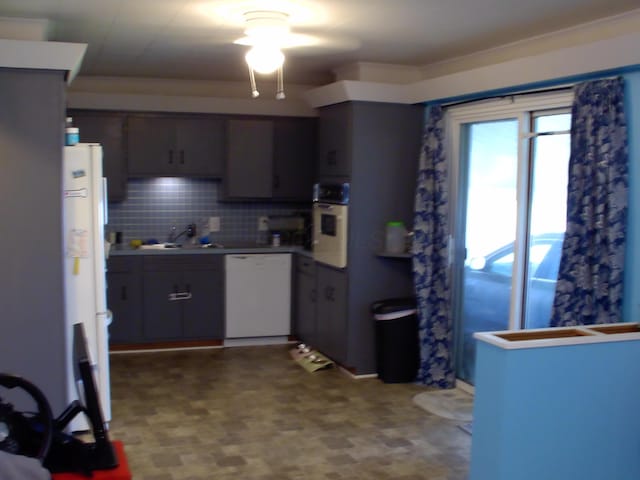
154, 205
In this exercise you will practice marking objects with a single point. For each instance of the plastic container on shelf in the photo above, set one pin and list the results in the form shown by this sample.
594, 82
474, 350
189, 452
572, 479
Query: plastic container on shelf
395, 238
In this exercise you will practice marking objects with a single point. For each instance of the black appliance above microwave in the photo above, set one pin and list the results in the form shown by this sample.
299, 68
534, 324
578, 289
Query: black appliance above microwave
337, 193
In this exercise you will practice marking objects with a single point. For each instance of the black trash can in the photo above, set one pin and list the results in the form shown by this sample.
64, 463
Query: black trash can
397, 345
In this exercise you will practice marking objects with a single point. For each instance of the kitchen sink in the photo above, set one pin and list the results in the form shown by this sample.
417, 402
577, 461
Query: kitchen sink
162, 246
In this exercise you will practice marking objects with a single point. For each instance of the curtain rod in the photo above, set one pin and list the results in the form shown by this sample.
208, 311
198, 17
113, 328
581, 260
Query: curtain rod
555, 85
565, 88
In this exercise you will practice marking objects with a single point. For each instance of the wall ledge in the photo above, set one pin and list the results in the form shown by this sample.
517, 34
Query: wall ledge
42, 55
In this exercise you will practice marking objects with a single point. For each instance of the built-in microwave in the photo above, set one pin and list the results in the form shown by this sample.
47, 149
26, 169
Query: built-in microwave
330, 223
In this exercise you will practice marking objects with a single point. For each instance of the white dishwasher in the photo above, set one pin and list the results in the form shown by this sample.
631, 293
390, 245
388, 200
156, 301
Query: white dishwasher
258, 295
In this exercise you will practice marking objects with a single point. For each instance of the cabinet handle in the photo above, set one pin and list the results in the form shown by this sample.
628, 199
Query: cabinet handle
328, 293
170, 157
276, 182
313, 295
181, 157
332, 156
123, 293
175, 297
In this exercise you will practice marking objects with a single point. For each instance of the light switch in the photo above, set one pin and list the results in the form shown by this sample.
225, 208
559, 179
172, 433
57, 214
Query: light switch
214, 224
263, 224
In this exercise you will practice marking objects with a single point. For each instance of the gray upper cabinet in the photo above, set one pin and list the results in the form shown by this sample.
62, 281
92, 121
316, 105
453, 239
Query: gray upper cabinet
107, 129
270, 158
249, 166
176, 145
334, 142
293, 158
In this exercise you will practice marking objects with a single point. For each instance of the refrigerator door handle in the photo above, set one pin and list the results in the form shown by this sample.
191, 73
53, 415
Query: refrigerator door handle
105, 199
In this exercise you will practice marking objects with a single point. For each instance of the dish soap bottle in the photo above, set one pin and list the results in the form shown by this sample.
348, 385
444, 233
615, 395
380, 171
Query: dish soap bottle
71, 133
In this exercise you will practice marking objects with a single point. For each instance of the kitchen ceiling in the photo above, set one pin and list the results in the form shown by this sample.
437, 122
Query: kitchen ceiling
193, 39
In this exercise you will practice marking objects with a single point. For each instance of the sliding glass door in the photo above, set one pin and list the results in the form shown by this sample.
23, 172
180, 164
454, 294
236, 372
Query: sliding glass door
491, 161
510, 218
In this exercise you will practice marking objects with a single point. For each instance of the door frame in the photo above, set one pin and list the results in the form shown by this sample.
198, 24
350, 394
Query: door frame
508, 107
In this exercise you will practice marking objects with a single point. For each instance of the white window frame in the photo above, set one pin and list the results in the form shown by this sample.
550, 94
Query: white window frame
509, 107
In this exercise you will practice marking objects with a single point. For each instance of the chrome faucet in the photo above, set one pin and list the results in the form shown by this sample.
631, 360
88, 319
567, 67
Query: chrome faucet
190, 232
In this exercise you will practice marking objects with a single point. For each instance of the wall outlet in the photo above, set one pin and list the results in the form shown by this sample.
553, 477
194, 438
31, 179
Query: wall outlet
214, 224
263, 224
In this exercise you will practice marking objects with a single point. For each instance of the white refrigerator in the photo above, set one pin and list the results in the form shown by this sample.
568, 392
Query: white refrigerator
84, 217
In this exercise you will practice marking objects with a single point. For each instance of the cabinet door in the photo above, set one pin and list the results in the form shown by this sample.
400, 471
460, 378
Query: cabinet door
203, 312
108, 130
306, 308
162, 314
151, 146
124, 298
200, 146
249, 166
331, 321
334, 130
294, 151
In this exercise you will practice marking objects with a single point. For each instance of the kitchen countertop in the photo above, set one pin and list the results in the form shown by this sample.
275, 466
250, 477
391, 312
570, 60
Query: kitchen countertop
234, 248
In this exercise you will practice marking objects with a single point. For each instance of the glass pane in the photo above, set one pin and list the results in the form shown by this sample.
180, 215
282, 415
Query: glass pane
552, 123
547, 221
492, 162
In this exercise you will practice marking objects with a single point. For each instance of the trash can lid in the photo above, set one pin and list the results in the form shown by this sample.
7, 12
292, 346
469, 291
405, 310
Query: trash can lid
395, 314
393, 305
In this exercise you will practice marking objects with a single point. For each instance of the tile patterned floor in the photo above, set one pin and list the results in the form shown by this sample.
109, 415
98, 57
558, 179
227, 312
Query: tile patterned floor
253, 413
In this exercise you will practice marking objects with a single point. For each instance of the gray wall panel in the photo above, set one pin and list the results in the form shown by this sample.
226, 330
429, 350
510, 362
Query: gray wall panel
32, 339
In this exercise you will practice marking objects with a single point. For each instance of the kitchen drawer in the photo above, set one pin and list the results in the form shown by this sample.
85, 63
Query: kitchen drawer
181, 262
305, 264
122, 264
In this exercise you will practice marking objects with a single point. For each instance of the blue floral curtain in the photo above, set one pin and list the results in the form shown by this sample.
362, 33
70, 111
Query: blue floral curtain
589, 288
431, 257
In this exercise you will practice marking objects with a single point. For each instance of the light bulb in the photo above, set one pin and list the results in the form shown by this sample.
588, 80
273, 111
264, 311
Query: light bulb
264, 58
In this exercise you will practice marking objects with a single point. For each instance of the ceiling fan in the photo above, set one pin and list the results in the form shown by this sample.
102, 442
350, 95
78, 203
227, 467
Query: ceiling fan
268, 32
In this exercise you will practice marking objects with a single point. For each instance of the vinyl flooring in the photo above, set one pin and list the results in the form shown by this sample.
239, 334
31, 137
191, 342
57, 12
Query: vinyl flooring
253, 413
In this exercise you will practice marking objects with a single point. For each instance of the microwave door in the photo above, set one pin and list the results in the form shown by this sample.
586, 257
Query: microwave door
328, 223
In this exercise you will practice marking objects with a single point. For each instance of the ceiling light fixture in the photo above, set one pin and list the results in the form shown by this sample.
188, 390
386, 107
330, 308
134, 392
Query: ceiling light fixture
266, 32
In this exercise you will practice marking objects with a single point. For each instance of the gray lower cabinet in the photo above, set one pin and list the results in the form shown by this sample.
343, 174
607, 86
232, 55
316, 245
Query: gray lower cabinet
106, 128
168, 145
183, 298
306, 293
331, 311
124, 299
